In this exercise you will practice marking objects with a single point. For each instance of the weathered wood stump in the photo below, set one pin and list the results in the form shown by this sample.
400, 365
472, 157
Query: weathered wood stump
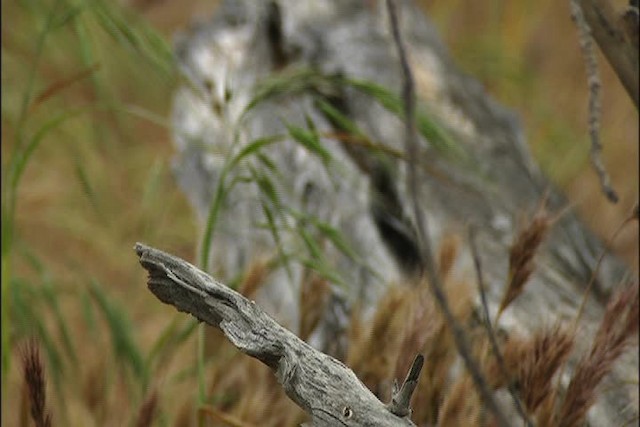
286, 148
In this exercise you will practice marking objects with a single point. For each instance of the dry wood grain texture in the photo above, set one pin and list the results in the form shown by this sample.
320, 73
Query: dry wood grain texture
323, 386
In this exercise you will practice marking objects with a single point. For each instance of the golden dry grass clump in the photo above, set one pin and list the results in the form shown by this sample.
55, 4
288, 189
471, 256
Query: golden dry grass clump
243, 392
618, 328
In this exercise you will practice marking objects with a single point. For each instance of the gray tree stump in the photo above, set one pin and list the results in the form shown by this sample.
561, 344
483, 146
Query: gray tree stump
475, 168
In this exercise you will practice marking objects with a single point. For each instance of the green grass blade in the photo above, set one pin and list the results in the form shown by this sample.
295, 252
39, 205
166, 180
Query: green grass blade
324, 271
317, 261
428, 127
88, 312
337, 238
253, 148
50, 295
29, 323
212, 219
6, 317
220, 192
310, 141
271, 221
287, 83
31, 79
87, 189
170, 340
67, 16
202, 393
266, 161
152, 184
22, 158
87, 56
18, 163
124, 344
136, 36
339, 120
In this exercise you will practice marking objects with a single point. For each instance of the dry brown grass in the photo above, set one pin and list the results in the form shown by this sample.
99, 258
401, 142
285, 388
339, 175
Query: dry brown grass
532, 364
461, 406
245, 393
522, 253
619, 326
447, 254
314, 297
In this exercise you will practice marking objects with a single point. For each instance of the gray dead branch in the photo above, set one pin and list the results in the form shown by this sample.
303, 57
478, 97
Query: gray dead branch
321, 385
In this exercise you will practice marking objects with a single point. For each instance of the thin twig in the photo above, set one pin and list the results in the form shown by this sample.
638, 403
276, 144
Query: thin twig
459, 336
491, 333
595, 100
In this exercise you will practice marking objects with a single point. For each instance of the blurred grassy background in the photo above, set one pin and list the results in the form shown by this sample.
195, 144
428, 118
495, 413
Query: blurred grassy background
86, 91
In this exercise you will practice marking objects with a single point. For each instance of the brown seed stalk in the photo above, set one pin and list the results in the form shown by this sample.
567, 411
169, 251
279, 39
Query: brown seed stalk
522, 253
35, 383
619, 325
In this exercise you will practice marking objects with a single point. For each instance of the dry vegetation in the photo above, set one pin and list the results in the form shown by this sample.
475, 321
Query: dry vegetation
109, 354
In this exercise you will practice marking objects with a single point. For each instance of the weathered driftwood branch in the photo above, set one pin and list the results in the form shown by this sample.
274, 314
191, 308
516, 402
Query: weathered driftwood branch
324, 387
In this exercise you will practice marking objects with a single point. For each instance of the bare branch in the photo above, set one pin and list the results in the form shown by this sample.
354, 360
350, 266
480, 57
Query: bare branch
409, 99
321, 385
595, 99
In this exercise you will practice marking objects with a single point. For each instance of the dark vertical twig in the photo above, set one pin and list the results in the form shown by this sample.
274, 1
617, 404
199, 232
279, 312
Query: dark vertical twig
595, 99
459, 336
491, 333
